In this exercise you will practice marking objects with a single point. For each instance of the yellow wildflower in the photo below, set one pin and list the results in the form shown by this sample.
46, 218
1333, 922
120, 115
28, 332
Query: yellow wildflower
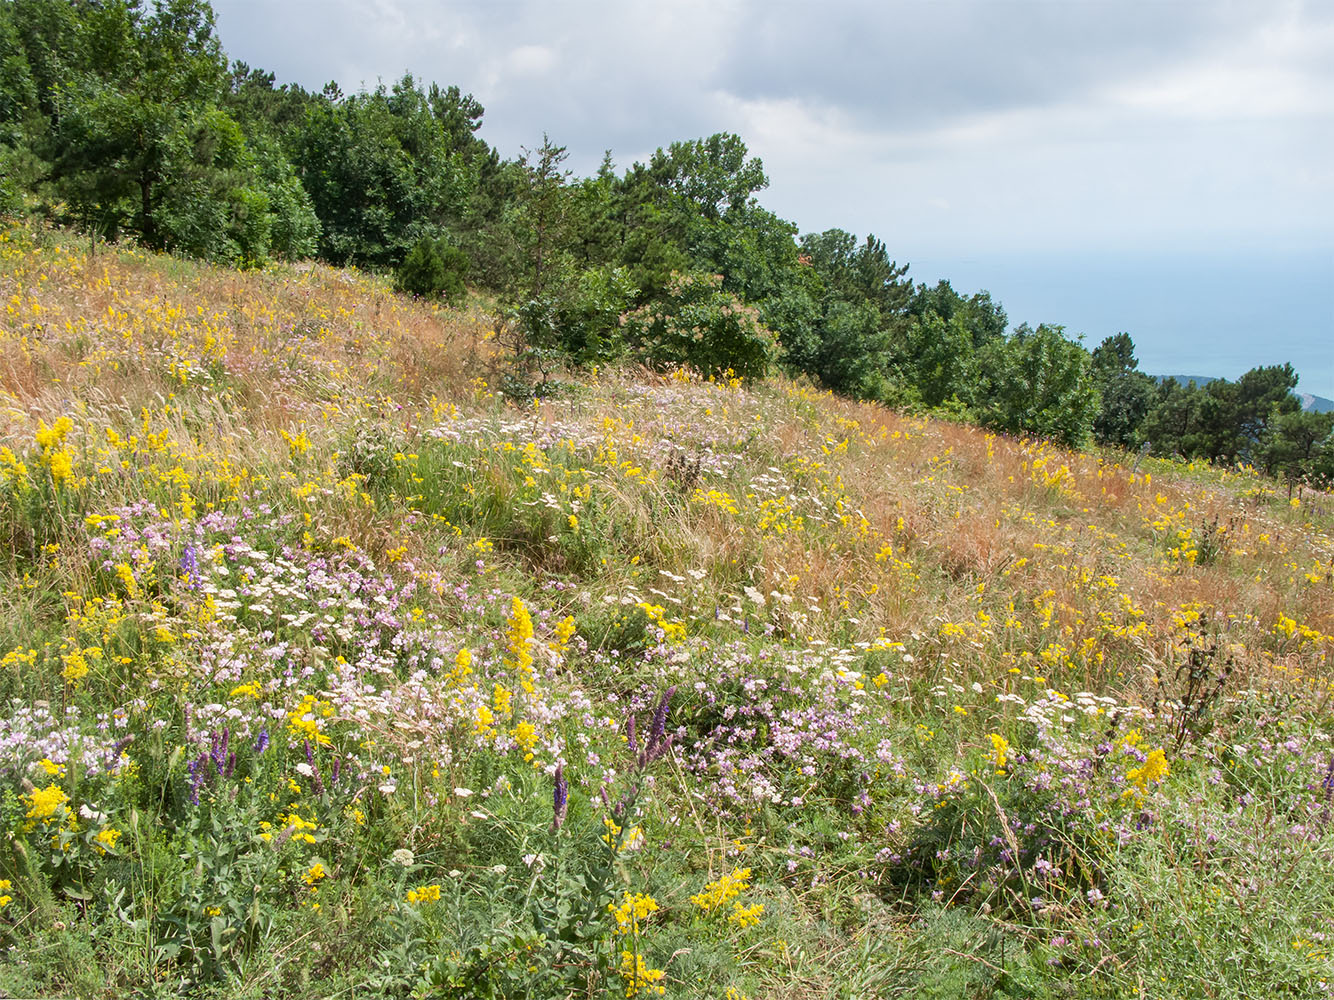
106, 839
424, 894
1154, 769
638, 976
633, 910
314, 873
45, 804
722, 890
519, 634
745, 916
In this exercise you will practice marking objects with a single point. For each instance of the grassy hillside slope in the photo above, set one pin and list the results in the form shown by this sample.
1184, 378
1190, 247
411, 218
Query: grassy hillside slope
325, 670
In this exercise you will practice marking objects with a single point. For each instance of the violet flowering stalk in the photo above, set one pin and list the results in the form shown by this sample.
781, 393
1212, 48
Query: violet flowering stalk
218, 748
189, 567
630, 734
658, 742
660, 717
117, 748
200, 774
314, 770
1328, 786
560, 799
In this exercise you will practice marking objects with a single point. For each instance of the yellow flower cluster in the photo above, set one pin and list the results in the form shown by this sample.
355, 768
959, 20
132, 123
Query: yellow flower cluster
1000, 750
45, 804
526, 736
300, 828
633, 910
55, 455
12, 470
619, 840
76, 663
564, 632
742, 917
424, 894
722, 890
485, 722
303, 721
1154, 769
314, 874
673, 631
715, 498
638, 977
462, 667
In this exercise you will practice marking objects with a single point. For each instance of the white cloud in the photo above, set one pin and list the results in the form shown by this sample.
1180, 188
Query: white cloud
531, 60
1019, 124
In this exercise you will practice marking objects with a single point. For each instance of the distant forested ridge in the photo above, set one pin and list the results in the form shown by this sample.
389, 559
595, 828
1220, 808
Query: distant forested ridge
127, 119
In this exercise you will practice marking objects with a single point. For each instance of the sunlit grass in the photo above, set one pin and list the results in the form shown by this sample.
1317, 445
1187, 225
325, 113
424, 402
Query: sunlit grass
303, 625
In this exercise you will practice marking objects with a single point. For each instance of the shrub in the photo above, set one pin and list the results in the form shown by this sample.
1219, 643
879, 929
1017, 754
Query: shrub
433, 269
700, 325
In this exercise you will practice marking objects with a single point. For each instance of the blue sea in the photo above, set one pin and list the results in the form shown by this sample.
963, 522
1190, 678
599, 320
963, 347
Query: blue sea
1214, 314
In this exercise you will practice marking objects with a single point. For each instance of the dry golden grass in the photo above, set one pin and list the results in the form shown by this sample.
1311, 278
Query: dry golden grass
873, 524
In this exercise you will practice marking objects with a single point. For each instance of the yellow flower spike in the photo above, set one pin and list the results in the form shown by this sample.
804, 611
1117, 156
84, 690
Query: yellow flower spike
519, 634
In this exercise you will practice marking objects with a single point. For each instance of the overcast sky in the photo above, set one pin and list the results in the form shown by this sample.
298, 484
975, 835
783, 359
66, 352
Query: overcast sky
1090, 163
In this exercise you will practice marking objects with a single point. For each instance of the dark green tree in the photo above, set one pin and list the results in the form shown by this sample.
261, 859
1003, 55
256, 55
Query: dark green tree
937, 361
1172, 418
133, 115
713, 176
544, 223
1126, 393
263, 107
1299, 446
1038, 382
384, 169
984, 319
20, 119
848, 322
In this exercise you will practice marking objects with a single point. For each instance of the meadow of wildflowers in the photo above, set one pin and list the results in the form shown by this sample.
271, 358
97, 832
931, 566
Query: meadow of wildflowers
328, 670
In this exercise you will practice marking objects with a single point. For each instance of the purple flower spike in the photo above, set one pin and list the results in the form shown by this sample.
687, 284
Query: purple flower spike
630, 734
190, 566
314, 770
659, 750
218, 748
660, 717
560, 798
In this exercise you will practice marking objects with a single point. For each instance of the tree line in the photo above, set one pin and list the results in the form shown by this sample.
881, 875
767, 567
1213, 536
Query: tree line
127, 118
